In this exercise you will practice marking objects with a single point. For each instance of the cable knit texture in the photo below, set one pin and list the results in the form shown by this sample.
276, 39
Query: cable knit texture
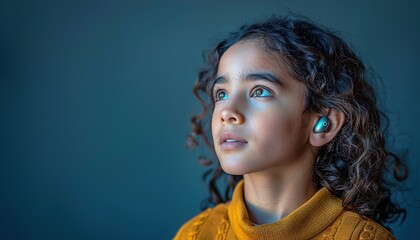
321, 217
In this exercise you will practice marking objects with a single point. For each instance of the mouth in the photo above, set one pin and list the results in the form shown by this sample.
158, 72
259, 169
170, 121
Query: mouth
231, 141
229, 137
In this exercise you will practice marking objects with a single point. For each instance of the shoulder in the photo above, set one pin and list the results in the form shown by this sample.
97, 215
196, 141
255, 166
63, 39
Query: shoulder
208, 219
354, 226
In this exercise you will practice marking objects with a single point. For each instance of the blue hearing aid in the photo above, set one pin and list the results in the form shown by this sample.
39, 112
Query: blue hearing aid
322, 124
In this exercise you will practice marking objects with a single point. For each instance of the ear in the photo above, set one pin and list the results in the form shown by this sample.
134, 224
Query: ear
336, 119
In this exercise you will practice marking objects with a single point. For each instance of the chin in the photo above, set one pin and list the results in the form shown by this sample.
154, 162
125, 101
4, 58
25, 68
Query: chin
234, 168
233, 172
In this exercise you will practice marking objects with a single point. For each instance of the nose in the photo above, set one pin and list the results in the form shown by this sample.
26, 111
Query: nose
232, 114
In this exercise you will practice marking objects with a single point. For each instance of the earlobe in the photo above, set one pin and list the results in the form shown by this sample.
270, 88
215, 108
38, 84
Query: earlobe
326, 127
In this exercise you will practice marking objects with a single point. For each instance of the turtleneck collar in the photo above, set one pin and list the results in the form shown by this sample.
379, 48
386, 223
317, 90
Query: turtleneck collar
323, 208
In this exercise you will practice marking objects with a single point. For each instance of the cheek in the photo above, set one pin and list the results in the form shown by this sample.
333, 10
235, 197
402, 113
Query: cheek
278, 129
273, 129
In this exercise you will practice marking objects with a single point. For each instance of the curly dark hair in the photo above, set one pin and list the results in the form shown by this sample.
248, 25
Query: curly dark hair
356, 165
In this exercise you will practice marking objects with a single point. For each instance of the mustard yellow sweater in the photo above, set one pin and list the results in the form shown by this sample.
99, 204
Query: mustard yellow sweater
321, 217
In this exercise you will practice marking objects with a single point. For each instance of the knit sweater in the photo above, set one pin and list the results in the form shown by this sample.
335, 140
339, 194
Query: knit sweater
321, 217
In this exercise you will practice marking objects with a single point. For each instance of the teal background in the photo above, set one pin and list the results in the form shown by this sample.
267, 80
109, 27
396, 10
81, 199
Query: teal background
95, 100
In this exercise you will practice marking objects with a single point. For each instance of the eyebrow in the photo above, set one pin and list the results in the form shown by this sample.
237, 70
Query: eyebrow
265, 76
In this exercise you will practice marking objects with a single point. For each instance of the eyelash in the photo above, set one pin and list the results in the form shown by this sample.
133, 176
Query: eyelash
217, 91
270, 93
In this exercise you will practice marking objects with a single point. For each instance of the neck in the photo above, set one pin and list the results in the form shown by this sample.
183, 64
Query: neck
272, 196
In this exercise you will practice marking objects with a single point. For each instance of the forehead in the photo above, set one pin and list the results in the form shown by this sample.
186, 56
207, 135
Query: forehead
248, 56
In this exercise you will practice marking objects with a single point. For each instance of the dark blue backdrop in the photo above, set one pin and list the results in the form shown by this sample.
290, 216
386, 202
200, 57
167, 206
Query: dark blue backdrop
95, 99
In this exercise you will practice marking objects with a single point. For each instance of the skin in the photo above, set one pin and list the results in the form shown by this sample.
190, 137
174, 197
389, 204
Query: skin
277, 156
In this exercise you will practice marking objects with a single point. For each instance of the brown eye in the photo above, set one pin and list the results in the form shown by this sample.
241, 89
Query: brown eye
220, 95
258, 92
261, 92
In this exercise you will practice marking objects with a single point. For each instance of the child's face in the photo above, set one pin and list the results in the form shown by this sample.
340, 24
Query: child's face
264, 118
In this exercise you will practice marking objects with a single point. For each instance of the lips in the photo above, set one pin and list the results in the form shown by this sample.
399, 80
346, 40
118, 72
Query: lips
231, 142
229, 137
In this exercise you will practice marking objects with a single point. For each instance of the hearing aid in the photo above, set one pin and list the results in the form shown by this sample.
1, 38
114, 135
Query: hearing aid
322, 124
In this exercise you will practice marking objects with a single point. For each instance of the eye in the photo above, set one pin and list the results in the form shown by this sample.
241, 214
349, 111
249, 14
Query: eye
261, 92
220, 95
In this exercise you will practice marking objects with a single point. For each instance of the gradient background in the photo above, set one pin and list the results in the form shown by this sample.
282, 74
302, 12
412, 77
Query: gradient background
95, 100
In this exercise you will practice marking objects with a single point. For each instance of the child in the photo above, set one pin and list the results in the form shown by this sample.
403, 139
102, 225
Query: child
296, 129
